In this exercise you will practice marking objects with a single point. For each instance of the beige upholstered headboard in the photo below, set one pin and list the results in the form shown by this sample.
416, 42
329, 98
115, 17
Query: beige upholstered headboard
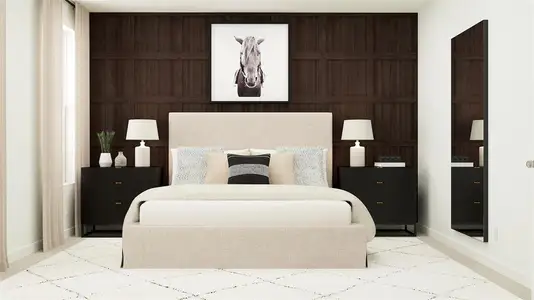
251, 130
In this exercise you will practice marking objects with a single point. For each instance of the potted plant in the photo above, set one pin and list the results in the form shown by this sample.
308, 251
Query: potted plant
105, 138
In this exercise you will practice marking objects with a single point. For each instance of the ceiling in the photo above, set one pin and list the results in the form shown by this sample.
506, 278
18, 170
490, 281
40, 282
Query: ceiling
272, 6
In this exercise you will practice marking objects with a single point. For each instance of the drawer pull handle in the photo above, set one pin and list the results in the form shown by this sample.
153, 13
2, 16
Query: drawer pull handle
477, 202
118, 203
379, 182
477, 182
379, 202
118, 182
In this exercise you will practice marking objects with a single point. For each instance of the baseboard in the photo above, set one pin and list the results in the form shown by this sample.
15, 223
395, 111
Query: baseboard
34, 247
25, 251
500, 274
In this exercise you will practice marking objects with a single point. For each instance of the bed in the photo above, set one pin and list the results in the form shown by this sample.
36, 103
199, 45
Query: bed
200, 224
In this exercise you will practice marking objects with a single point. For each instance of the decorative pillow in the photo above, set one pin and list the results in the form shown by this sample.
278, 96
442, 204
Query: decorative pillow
310, 165
281, 170
217, 168
189, 164
253, 169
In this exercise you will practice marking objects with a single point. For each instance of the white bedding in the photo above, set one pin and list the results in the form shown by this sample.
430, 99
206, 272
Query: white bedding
245, 213
243, 192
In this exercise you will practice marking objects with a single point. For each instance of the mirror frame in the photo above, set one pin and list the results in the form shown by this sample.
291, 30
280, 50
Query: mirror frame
485, 173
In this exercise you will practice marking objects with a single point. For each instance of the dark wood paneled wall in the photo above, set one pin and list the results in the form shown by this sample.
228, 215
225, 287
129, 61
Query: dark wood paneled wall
467, 77
353, 65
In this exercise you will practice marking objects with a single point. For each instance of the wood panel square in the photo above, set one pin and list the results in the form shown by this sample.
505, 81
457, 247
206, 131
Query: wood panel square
346, 35
347, 78
395, 78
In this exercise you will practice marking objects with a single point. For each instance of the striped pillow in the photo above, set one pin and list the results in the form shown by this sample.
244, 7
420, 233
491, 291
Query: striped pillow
248, 169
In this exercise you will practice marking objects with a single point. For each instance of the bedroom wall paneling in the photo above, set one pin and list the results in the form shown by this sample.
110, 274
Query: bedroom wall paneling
353, 65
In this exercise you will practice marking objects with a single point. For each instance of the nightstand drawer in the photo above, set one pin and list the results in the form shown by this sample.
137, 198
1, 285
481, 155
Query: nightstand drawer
105, 212
392, 210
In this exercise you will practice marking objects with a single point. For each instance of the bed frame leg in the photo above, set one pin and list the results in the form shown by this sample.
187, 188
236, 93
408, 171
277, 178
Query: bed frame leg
366, 261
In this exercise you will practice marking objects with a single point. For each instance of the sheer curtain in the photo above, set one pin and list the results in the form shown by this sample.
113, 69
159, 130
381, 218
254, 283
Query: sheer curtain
3, 216
50, 113
81, 28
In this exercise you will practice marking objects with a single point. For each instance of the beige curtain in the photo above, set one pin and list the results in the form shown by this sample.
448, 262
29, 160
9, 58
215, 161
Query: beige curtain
50, 122
3, 200
81, 28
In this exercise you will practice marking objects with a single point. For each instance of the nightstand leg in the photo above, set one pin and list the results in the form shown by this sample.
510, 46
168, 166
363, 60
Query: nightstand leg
414, 229
366, 261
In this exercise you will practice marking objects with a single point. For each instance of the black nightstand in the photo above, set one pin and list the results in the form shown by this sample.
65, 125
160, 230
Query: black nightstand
106, 193
467, 200
390, 194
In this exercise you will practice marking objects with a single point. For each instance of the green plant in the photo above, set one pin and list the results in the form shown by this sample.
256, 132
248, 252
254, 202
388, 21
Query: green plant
105, 138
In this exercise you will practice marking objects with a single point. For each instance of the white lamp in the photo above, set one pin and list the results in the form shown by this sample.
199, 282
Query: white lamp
142, 130
357, 130
477, 134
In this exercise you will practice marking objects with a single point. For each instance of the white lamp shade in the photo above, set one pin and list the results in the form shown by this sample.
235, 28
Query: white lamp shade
356, 130
142, 130
477, 130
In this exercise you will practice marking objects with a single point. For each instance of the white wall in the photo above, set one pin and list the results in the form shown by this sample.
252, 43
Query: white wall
510, 102
24, 222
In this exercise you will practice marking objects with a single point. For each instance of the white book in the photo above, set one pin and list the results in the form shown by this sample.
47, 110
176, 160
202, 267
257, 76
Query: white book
398, 164
464, 164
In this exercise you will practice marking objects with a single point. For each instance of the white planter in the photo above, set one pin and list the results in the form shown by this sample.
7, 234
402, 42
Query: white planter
105, 160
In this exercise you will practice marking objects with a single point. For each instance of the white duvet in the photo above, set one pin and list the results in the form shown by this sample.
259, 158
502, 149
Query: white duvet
227, 192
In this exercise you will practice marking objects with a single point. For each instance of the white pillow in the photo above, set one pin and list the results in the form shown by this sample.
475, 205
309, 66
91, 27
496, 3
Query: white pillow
254, 151
310, 165
189, 164
238, 152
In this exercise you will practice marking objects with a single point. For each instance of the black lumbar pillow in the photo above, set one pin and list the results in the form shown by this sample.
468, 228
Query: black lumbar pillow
248, 169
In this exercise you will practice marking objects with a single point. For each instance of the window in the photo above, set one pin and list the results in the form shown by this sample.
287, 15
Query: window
69, 101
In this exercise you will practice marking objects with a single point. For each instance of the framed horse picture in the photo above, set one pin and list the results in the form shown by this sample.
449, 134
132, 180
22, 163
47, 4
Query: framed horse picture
249, 63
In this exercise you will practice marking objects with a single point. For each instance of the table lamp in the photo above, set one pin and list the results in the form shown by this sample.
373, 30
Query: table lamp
142, 130
357, 130
477, 134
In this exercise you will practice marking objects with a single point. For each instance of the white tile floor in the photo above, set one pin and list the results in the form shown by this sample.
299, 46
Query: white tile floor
400, 268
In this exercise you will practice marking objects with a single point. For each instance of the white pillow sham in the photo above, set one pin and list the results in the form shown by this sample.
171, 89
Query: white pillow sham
189, 164
310, 165
254, 151
238, 151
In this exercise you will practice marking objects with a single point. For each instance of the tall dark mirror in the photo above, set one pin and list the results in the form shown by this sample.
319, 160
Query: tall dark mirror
469, 167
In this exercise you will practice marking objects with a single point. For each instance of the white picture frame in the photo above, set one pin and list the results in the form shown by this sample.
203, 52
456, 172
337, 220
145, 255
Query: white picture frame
249, 63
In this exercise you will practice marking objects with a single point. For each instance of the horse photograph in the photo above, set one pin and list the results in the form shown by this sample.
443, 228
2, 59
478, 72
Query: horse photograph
249, 62
249, 77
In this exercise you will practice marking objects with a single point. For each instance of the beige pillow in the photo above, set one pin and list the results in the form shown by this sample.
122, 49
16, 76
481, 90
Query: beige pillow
280, 168
217, 168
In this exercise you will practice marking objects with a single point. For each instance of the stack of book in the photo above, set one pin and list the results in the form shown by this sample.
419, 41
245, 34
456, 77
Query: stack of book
461, 161
389, 162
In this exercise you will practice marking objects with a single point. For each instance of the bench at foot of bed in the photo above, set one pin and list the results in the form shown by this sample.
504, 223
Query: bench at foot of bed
165, 247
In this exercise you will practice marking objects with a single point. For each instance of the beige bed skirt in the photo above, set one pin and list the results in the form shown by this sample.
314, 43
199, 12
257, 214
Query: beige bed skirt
161, 247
